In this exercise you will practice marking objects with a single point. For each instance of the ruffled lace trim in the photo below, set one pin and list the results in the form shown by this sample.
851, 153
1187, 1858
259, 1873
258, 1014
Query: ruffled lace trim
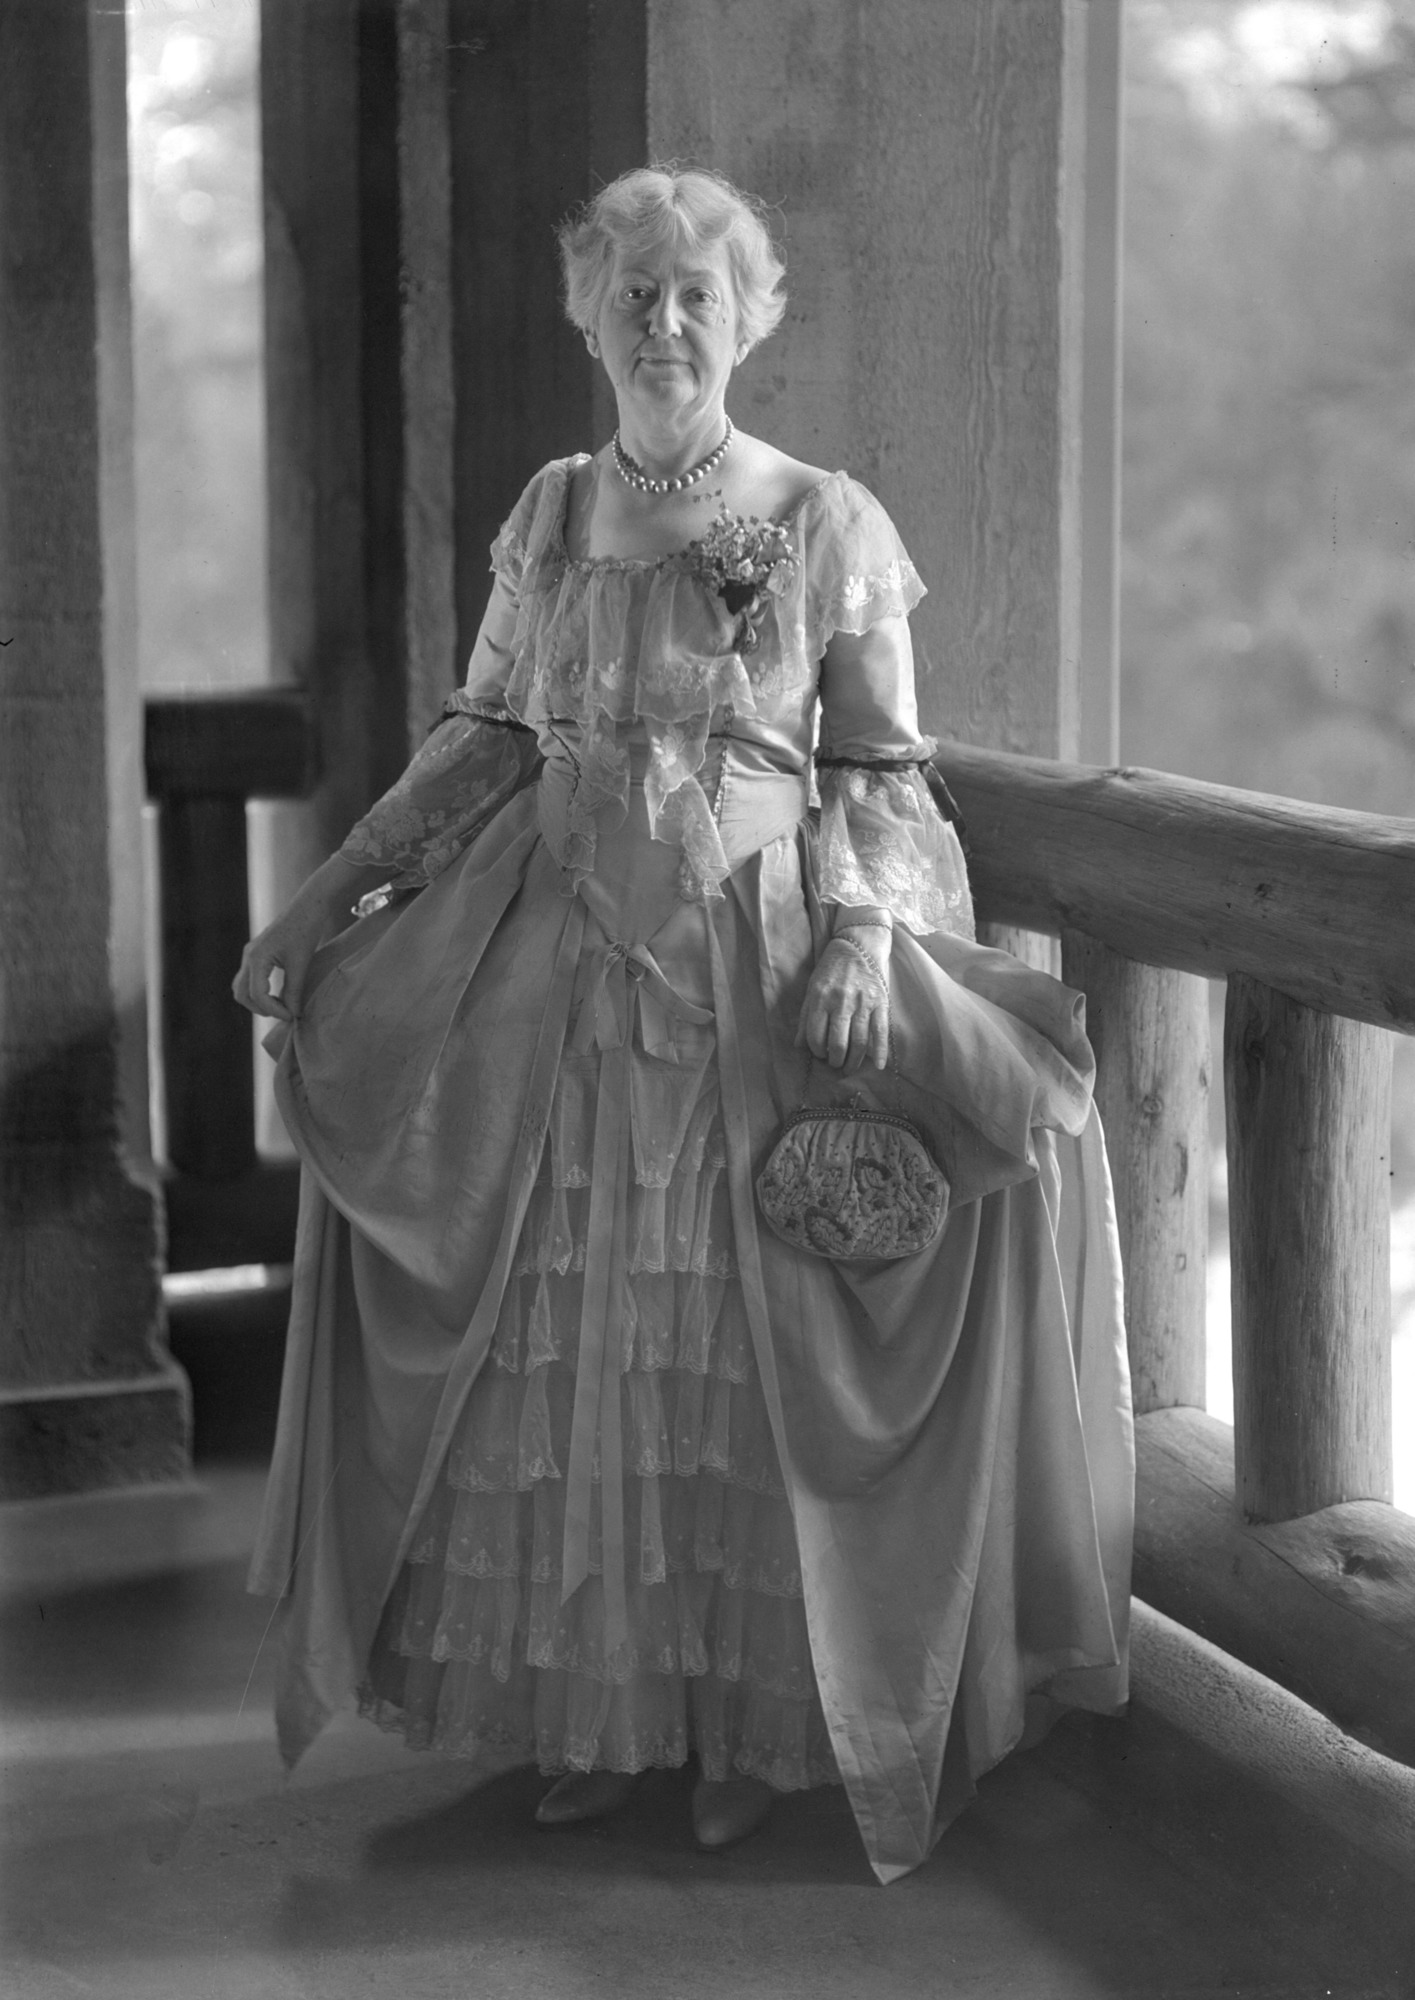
689, 1321
606, 643
884, 842
477, 1650
733, 1732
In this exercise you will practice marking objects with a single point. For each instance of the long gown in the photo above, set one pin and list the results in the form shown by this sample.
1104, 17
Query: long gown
576, 1457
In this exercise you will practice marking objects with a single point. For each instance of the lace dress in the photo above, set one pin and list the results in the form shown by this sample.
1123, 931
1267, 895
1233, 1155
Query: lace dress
574, 1457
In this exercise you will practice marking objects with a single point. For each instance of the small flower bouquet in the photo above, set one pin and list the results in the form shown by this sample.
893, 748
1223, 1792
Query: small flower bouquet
745, 562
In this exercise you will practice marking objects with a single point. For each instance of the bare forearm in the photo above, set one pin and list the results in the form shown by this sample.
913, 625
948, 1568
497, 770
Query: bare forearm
335, 886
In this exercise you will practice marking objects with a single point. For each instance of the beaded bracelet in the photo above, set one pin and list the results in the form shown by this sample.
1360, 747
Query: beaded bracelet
861, 924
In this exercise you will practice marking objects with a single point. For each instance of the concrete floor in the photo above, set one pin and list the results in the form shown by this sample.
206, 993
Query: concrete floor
153, 1851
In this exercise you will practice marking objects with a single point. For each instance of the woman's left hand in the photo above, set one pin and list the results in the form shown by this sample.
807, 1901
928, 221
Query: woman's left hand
846, 1012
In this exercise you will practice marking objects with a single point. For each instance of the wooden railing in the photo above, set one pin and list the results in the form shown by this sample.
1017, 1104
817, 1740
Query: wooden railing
206, 756
1275, 1539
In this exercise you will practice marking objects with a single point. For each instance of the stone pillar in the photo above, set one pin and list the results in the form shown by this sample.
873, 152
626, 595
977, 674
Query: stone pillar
88, 1394
930, 164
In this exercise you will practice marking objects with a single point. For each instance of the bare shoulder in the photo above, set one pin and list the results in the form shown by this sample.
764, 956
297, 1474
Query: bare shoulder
779, 482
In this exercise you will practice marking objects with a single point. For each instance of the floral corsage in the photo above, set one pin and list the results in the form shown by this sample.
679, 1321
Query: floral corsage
746, 562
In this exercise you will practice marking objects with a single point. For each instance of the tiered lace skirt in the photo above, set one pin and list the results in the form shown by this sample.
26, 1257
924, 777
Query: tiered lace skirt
476, 1647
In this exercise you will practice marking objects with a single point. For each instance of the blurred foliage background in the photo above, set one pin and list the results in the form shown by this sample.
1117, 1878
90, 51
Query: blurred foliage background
195, 204
1268, 581
1268, 496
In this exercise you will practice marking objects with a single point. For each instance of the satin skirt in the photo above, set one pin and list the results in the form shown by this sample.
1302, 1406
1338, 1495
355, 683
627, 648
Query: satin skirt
575, 1456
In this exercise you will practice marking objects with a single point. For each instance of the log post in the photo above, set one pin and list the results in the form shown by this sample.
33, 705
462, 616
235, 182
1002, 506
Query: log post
1034, 948
1308, 1099
1150, 1031
206, 1037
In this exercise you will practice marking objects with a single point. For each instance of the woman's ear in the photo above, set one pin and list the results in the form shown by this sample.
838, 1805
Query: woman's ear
592, 343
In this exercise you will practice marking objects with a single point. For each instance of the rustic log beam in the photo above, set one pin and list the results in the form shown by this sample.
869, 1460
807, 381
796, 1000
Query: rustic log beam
244, 746
1202, 878
1324, 1605
1308, 1100
1150, 1032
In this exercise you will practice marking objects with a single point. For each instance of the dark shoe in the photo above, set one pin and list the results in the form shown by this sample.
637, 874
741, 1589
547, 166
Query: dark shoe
584, 1795
727, 1810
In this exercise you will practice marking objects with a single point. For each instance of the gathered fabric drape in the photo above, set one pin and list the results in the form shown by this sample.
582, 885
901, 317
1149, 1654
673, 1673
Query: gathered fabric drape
575, 1456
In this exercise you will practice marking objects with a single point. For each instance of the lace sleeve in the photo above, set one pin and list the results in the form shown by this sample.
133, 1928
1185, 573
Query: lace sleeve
883, 840
469, 767
858, 570
477, 758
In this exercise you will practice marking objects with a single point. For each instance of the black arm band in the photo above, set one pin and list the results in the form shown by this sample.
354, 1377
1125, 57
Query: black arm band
942, 797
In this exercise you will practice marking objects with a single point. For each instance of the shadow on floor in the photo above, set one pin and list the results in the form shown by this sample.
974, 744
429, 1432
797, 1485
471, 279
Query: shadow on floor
154, 1852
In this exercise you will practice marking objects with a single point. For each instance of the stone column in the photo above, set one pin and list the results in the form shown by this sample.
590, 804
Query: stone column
928, 160
89, 1396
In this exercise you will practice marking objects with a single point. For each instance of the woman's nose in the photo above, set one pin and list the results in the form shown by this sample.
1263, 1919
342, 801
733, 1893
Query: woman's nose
664, 318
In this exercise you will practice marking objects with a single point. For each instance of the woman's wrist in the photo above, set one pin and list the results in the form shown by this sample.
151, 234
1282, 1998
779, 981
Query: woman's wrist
847, 916
330, 893
869, 927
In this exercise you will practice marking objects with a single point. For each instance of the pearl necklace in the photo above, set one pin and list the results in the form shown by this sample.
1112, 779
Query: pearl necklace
634, 475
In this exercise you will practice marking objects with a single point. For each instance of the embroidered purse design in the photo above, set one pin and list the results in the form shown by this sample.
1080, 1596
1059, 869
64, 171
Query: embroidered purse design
852, 1183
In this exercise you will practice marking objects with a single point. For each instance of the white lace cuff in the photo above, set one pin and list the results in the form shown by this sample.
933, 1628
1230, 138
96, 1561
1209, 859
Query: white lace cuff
883, 841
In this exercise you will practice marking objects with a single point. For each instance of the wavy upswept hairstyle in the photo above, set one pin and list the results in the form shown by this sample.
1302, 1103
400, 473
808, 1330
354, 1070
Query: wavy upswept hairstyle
692, 208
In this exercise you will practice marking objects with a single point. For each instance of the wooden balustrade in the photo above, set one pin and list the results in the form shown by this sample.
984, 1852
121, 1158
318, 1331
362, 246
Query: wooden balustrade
1201, 878
206, 756
1151, 880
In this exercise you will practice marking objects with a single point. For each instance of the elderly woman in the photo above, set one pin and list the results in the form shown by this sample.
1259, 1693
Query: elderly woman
590, 1448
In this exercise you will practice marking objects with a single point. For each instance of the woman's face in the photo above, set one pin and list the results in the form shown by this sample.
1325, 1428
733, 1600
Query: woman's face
667, 332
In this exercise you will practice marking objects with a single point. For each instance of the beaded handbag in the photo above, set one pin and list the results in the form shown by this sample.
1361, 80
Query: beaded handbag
853, 1183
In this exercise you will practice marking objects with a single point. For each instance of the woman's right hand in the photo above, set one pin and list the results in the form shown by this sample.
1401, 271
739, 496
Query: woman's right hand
287, 945
282, 951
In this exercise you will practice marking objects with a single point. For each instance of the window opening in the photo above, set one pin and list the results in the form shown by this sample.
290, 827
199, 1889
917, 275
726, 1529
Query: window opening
1268, 534
199, 397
